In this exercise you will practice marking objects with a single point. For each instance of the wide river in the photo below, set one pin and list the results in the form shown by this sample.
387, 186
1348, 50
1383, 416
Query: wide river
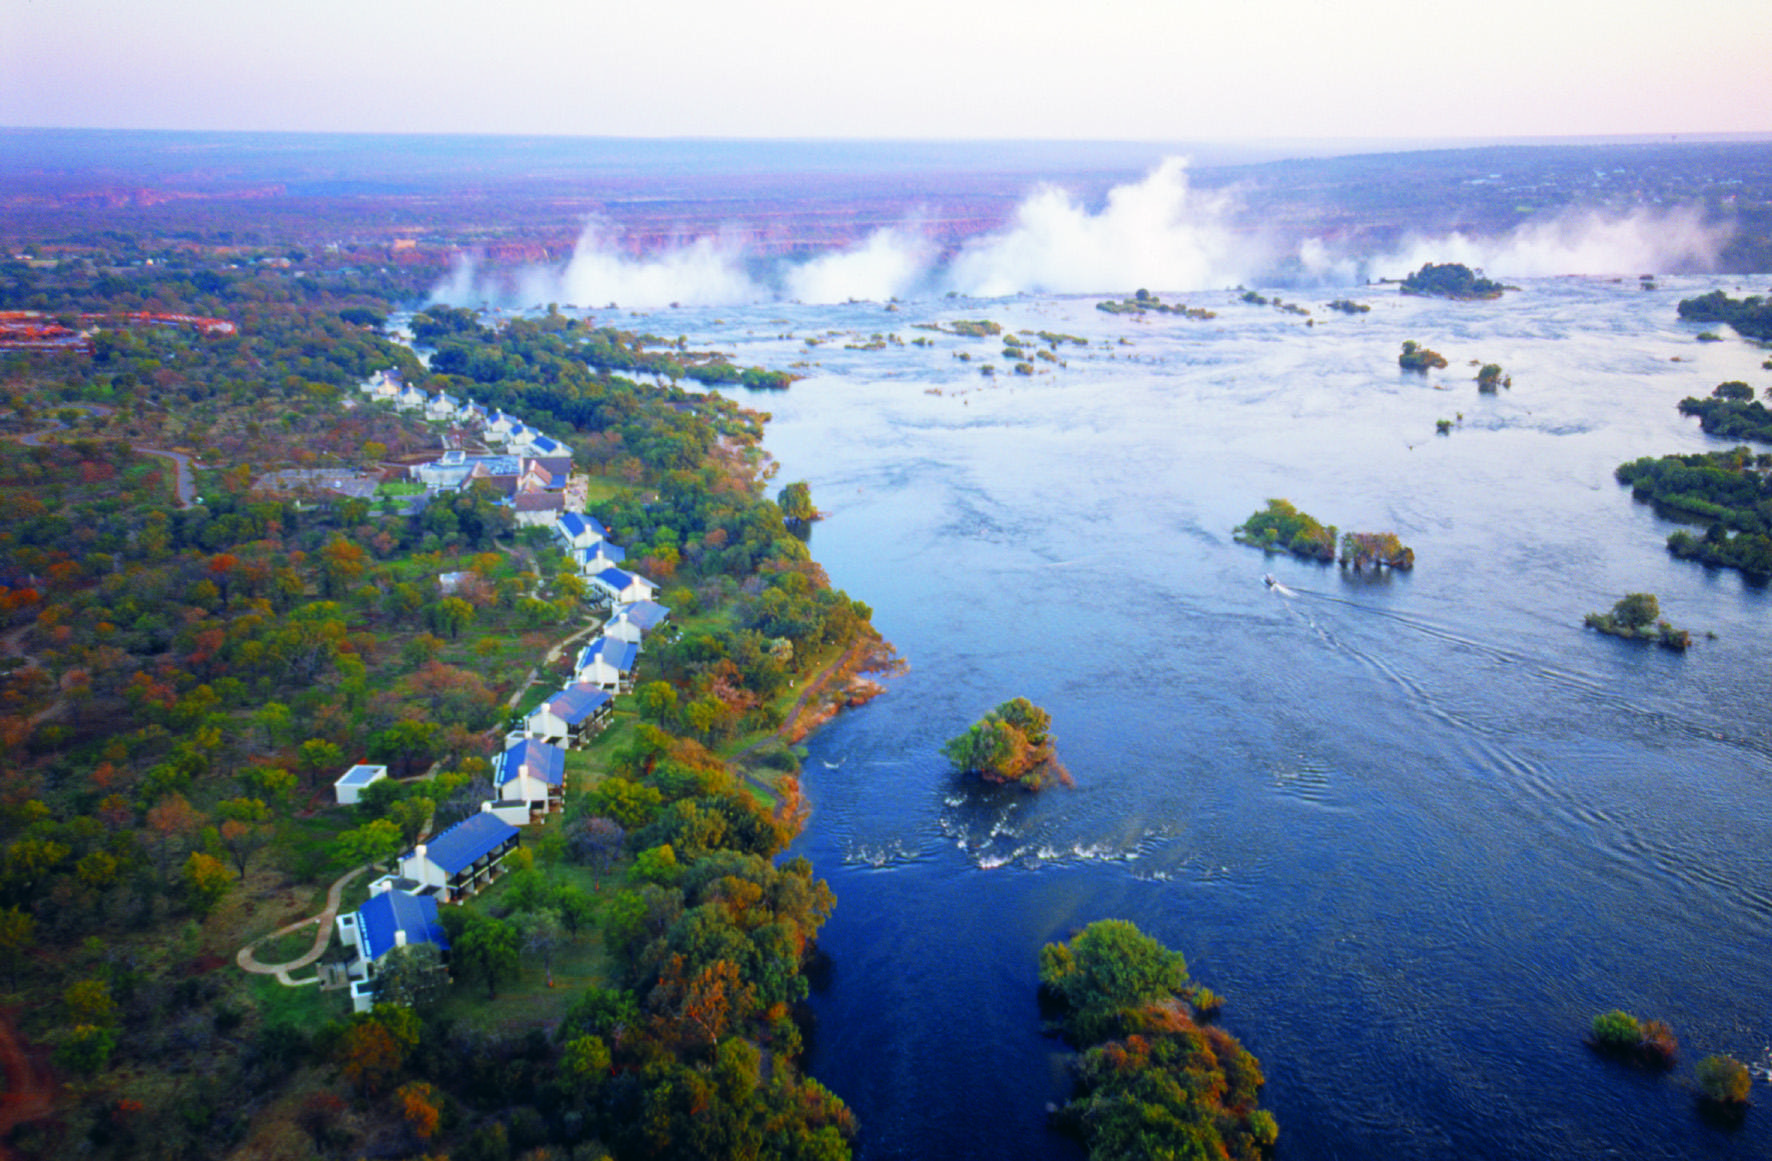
1417, 829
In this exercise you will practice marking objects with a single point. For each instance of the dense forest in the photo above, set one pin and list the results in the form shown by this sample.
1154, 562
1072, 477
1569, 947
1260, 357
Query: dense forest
180, 682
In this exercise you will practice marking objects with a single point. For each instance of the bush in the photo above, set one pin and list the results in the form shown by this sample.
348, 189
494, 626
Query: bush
1616, 1031
1724, 1080
1649, 1043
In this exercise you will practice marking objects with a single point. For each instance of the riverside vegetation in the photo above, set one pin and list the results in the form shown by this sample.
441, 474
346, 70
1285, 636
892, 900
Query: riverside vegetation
1154, 1079
183, 682
1728, 492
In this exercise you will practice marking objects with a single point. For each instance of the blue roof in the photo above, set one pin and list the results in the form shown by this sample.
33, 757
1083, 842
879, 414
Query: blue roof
469, 839
545, 762
620, 654
616, 578
544, 445
646, 615
574, 525
394, 911
575, 703
614, 553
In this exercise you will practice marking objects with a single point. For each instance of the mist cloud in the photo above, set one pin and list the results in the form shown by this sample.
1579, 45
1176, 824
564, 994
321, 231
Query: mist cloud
1158, 232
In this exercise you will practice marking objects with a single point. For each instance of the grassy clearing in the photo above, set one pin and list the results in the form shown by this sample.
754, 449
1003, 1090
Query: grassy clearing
306, 1008
603, 488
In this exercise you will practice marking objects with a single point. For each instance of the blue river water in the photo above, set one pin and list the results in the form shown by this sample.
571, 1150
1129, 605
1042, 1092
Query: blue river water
1417, 829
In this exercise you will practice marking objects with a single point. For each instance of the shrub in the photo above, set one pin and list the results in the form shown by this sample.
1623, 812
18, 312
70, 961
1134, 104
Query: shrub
1616, 1031
1650, 1043
1724, 1080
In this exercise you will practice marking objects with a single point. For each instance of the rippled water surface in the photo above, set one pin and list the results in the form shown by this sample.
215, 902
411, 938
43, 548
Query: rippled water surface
1417, 829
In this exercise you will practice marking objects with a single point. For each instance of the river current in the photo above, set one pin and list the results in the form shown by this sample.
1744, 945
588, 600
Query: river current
1417, 829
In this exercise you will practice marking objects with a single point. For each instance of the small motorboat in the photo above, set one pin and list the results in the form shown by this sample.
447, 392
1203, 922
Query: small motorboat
1267, 578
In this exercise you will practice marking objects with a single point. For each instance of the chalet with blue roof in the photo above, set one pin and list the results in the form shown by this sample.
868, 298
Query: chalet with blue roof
608, 664
633, 622
532, 772
598, 557
462, 860
622, 587
390, 919
571, 717
576, 530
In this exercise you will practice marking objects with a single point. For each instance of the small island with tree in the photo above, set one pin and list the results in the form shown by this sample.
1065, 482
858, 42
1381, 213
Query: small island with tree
1637, 617
1011, 744
1363, 550
1143, 300
1281, 527
1155, 1079
1490, 376
1451, 280
1647, 1043
1416, 357
1732, 412
1750, 316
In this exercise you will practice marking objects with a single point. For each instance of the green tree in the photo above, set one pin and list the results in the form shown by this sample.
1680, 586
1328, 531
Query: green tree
317, 755
1637, 610
795, 501
1109, 967
412, 976
450, 616
375, 841
487, 950
542, 933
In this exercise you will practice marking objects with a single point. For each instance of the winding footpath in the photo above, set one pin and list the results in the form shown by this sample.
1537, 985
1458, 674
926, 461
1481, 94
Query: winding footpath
322, 938
184, 488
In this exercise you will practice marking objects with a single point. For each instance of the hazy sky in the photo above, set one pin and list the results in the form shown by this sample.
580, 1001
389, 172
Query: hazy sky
1107, 69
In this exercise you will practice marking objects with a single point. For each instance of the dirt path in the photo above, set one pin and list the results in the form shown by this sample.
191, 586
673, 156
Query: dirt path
184, 489
322, 937
552, 656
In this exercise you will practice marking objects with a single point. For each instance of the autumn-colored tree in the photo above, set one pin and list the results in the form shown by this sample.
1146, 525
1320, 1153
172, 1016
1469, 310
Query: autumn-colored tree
245, 828
341, 564
173, 825
90, 1002
417, 1103
206, 882
374, 1048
